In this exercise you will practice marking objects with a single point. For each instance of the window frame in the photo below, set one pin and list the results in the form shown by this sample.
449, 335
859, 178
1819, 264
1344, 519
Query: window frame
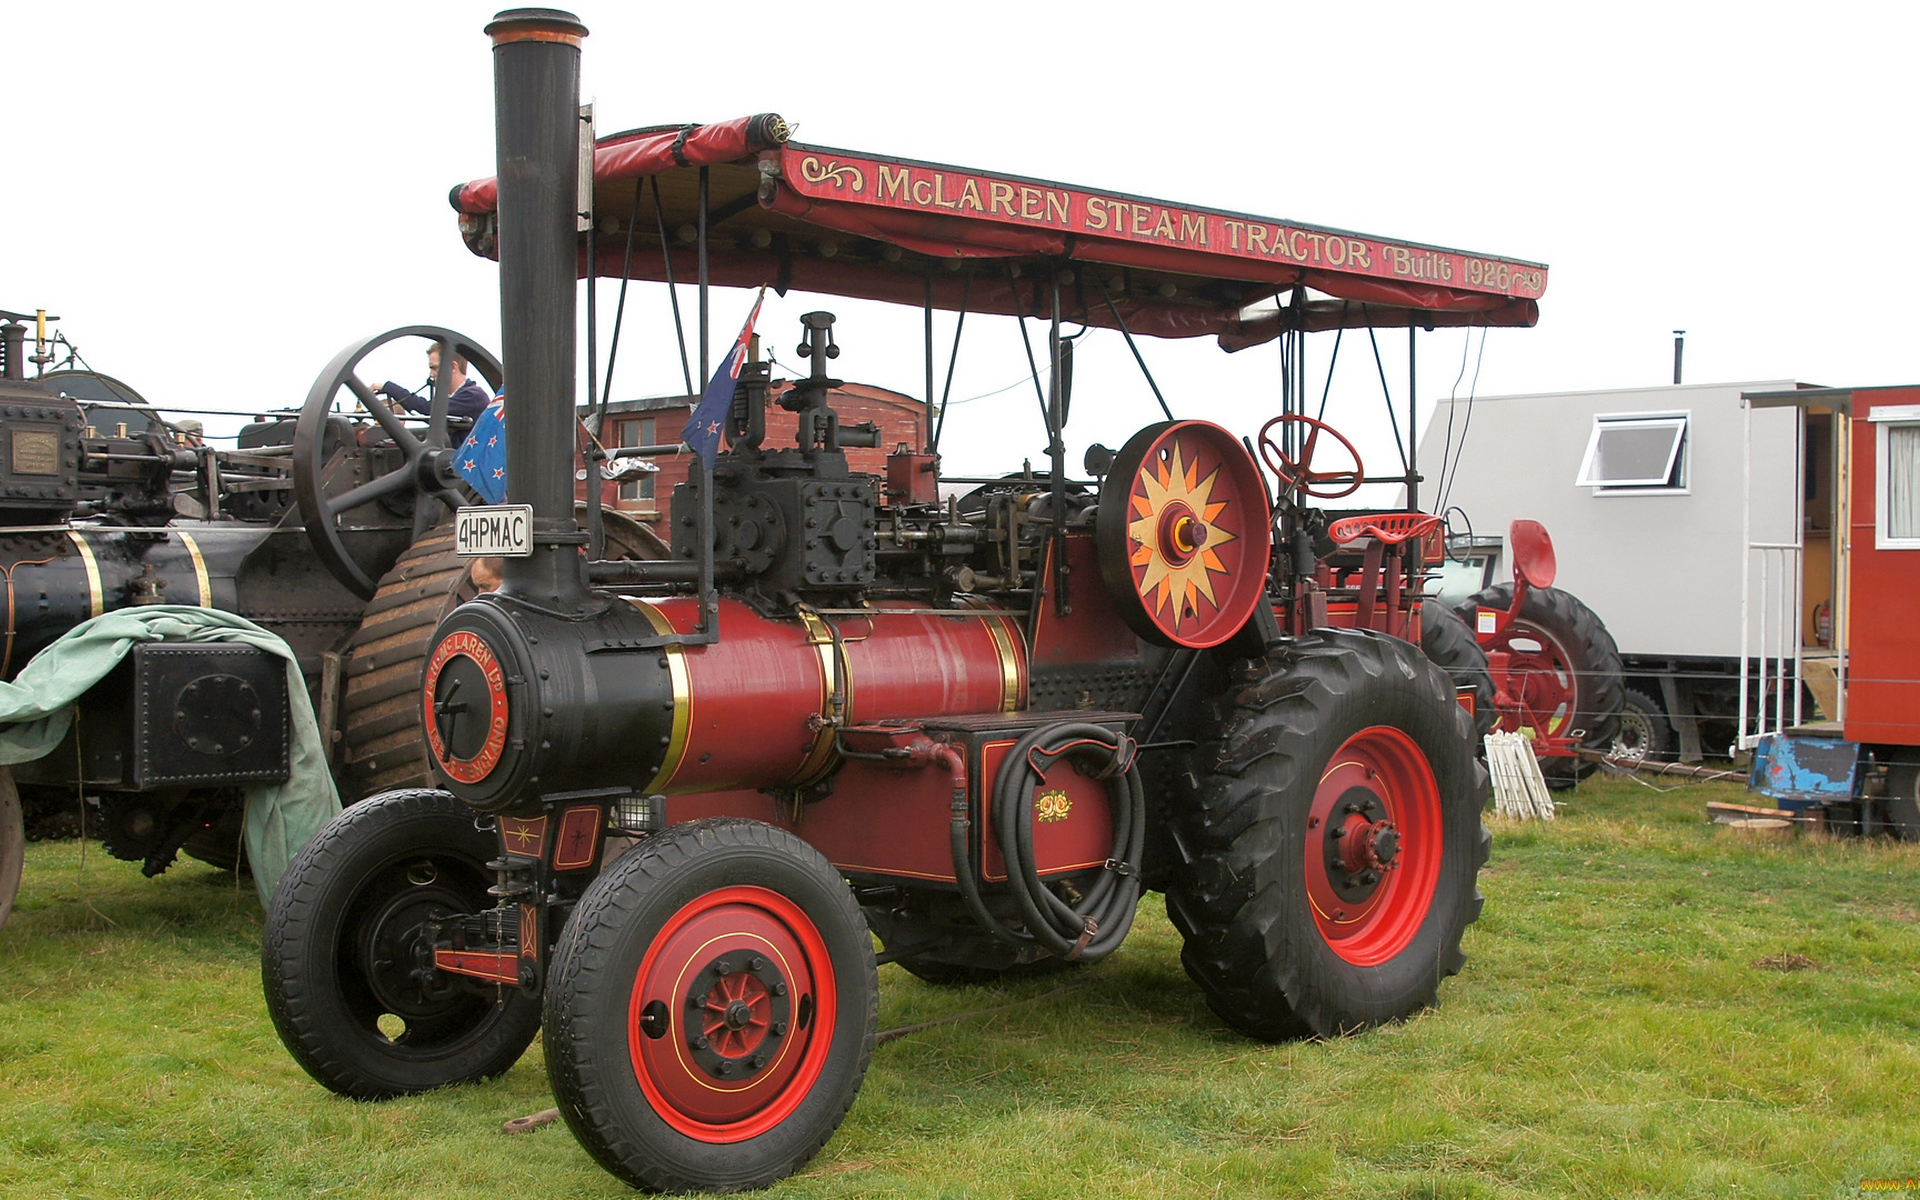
1885, 417
643, 500
1679, 456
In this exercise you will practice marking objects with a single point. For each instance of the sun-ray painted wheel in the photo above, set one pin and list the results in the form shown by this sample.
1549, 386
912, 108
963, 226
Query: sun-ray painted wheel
1373, 845
1183, 535
711, 1008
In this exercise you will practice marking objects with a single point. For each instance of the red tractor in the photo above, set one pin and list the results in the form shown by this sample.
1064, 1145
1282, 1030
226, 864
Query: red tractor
680, 798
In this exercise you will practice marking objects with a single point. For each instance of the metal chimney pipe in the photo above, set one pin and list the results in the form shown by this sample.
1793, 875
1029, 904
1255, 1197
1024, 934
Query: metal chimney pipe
1679, 345
13, 349
536, 97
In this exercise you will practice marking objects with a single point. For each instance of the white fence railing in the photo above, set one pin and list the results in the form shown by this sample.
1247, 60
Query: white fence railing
1770, 647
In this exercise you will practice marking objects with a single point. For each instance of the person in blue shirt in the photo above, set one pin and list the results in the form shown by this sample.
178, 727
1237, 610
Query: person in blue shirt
469, 396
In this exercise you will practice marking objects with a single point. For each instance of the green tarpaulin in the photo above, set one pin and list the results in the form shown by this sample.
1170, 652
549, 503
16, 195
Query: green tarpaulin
36, 710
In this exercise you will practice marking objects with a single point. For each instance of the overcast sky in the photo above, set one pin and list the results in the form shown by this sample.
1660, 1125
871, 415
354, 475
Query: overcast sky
216, 199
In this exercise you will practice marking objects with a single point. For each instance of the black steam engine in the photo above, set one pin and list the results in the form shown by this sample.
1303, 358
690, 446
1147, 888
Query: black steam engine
316, 525
677, 799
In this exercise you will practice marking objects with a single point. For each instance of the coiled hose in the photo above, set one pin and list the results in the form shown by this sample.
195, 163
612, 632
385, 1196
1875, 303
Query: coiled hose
1097, 926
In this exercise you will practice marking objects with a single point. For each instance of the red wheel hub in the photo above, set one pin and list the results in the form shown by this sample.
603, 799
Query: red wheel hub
1540, 681
1373, 846
732, 1014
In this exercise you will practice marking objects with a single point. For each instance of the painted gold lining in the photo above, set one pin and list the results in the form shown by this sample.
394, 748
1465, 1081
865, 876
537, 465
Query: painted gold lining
1010, 678
833, 669
682, 699
199, 568
95, 597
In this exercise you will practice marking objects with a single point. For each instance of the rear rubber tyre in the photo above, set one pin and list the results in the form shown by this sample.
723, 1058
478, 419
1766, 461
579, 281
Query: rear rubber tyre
711, 1008
1570, 649
13, 844
1448, 642
340, 939
382, 747
1282, 945
1644, 733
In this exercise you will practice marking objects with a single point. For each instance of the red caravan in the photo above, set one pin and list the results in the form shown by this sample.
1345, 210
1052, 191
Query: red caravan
976, 724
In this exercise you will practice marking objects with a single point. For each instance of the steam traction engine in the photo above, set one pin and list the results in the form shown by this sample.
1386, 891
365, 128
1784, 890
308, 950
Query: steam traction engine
681, 797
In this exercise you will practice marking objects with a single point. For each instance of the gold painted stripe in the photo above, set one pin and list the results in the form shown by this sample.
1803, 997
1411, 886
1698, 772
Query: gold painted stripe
1010, 681
199, 568
682, 699
820, 637
96, 598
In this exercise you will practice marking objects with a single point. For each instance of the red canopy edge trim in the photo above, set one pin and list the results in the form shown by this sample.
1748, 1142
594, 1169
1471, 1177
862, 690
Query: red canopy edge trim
996, 294
641, 152
1040, 207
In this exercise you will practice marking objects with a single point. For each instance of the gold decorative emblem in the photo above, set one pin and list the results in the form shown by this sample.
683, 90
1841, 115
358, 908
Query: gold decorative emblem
841, 175
1052, 805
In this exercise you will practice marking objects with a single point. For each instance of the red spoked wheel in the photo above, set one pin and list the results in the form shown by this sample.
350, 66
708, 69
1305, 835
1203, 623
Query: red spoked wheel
1373, 846
1541, 681
1183, 535
1296, 470
711, 1008
749, 978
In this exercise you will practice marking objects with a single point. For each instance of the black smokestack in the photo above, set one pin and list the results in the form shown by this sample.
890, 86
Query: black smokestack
536, 97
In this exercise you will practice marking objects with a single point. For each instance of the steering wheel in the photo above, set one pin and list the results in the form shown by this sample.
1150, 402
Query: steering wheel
1299, 472
425, 477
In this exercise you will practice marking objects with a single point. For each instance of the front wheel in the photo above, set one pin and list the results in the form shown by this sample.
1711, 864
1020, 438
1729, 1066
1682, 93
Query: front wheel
1334, 832
711, 1010
347, 959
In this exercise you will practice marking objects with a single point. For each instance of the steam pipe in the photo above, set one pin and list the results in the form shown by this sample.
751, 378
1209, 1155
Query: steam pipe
536, 93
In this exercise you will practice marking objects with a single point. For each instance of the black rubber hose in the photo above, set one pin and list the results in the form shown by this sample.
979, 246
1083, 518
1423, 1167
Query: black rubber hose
1100, 922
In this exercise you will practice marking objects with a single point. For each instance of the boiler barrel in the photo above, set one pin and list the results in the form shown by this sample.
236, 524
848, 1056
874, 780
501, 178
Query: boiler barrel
759, 707
55, 578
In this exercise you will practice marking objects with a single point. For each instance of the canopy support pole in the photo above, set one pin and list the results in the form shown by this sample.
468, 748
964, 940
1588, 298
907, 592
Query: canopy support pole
705, 340
1057, 450
1131, 345
619, 311
673, 289
596, 533
926, 437
959, 326
1413, 438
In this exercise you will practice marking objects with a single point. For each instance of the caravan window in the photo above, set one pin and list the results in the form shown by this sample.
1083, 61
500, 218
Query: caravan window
1897, 504
1636, 453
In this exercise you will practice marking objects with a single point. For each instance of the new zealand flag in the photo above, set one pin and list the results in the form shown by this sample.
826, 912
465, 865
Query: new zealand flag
482, 458
702, 432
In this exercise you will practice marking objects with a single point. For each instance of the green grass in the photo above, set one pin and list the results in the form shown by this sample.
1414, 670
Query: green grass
1609, 1037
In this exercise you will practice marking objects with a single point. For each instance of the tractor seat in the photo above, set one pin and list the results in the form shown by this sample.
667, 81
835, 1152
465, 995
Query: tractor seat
1391, 528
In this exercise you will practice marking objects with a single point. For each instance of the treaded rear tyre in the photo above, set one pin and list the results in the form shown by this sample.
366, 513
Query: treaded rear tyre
338, 945
647, 1067
382, 747
1284, 747
1448, 641
1581, 638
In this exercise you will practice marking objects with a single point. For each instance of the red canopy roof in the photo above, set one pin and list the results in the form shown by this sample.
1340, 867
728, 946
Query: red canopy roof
842, 223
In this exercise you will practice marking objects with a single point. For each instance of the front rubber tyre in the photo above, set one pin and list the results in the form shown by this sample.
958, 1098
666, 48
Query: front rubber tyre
341, 942
1645, 734
711, 1008
1282, 944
